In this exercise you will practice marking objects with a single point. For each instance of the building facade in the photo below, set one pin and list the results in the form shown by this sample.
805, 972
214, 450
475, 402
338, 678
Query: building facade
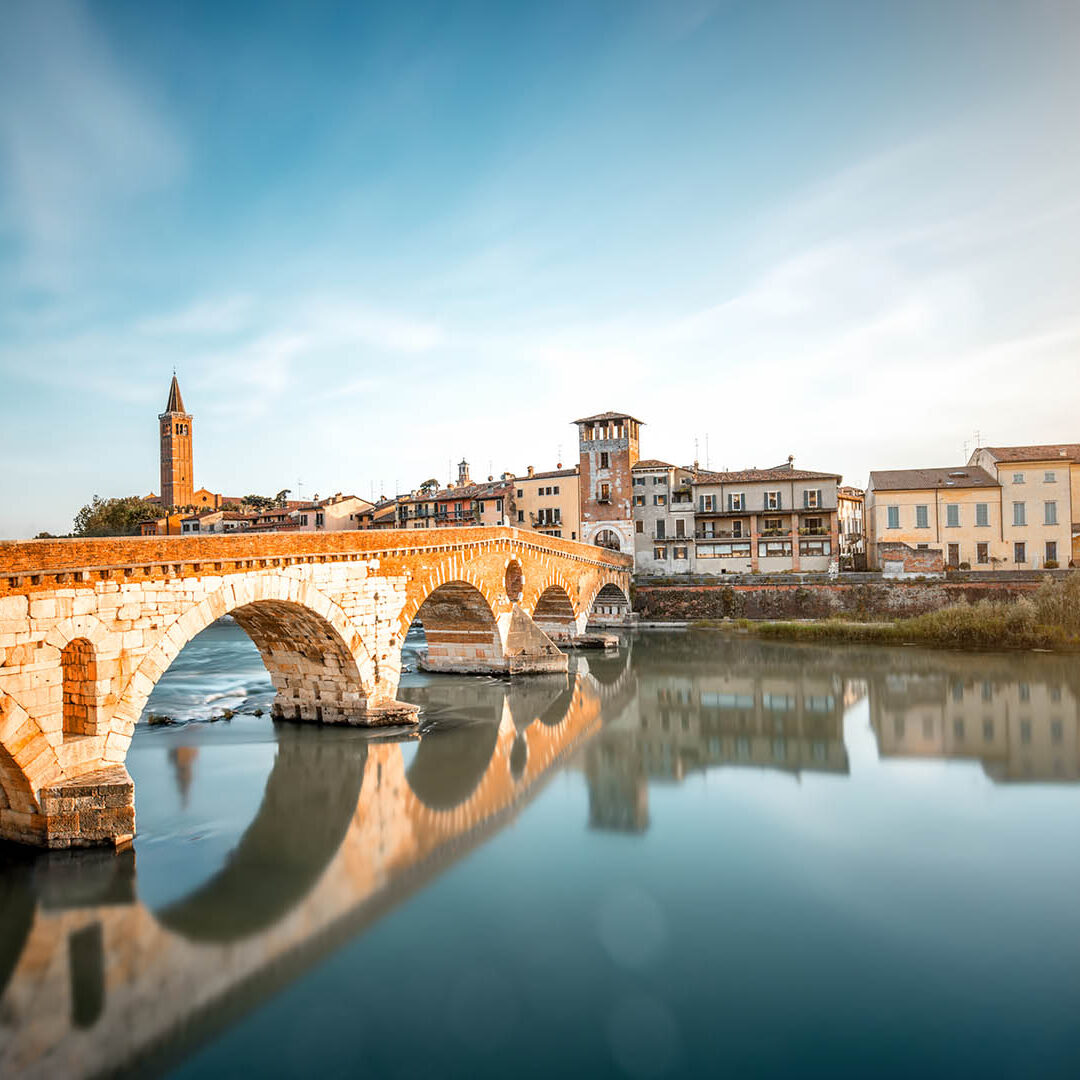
663, 509
176, 427
850, 508
335, 514
1039, 487
955, 512
548, 502
766, 521
608, 451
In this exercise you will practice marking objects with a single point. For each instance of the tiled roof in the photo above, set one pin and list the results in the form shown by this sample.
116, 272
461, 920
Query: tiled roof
963, 476
551, 474
749, 476
654, 463
1049, 452
607, 416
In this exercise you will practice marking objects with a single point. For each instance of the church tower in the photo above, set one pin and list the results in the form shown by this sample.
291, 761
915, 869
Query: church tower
177, 475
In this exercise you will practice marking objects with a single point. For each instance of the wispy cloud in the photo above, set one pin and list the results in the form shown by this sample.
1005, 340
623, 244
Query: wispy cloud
77, 135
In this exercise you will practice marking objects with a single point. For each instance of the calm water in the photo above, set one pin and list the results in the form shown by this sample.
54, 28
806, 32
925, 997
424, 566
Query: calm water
699, 857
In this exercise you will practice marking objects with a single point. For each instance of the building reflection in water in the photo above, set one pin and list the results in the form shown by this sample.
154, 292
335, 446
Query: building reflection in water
1019, 718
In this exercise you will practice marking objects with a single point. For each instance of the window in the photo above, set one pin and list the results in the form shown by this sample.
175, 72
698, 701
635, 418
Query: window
982, 515
815, 547
1049, 478
958, 692
812, 498
681, 553
1018, 477
988, 730
660, 552
772, 526
639, 526
1019, 513
639, 500
639, 481
1019, 554
736, 501
774, 549
1051, 551
1050, 513
894, 516
659, 500
954, 555
680, 526
982, 553
660, 530
521, 493
952, 516
659, 480
555, 489
521, 515
605, 460
605, 493
737, 550
772, 500
958, 729
706, 503
922, 517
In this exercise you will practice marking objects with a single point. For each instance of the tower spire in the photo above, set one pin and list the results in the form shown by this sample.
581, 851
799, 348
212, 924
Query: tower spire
175, 402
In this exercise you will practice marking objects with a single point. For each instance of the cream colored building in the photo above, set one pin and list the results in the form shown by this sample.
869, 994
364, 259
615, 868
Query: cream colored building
335, 514
956, 511
548, 502
1040, 501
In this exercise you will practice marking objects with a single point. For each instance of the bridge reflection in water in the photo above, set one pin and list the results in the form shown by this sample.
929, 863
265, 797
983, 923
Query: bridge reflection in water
92, 980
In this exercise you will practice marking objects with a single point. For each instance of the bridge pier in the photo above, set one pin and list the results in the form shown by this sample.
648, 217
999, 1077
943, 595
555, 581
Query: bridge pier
93, 810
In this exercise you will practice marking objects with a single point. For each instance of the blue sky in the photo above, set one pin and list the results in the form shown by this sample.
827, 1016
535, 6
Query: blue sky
375, 238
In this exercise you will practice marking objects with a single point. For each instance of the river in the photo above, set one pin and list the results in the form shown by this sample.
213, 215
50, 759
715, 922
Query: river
700, 856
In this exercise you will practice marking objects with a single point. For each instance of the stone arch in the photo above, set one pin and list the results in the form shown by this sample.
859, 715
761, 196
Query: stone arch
27, 760
608, 539
317, 660
460, 626
555, 614
609, 602
448, 571
450, 764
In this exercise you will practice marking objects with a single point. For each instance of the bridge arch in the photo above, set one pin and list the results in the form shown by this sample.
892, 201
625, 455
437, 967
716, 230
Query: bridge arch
317, 661
27, 760
459, 623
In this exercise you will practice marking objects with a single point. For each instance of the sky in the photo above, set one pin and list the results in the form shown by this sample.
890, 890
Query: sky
373, 239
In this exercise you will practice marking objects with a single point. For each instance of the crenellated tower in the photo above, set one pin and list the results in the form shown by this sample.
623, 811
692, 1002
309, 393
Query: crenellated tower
177, 473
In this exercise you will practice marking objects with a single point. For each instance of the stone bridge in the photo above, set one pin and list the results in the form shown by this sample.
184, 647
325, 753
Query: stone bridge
87, 627
93, 982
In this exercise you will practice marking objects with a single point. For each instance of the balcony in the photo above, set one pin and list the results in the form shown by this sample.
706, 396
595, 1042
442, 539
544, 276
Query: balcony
720, 534
822, 531
775, 532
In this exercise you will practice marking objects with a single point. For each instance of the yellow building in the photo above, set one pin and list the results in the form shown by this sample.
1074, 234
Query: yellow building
1040, 501
956, 512
548, 502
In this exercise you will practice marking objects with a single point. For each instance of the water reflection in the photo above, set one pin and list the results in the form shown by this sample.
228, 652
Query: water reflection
93, 979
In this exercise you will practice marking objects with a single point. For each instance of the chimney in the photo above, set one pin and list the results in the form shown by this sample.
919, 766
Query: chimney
531, 471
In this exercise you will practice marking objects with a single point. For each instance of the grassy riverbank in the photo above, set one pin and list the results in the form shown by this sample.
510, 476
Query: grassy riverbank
1049, 620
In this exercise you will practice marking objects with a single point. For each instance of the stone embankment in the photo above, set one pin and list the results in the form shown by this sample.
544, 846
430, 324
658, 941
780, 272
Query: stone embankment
865, 600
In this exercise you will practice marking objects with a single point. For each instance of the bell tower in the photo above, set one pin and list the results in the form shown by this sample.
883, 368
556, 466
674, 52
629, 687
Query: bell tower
177, 474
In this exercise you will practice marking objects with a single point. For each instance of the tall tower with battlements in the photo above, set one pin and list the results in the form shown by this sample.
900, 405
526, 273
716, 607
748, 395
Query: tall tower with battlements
177, 475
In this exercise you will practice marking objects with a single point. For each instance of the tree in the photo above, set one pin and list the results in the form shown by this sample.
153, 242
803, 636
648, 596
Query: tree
281, 498
258, 502
429, 485
114, 517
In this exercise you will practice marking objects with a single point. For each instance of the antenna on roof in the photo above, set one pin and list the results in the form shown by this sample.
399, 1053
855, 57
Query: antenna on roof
706, 449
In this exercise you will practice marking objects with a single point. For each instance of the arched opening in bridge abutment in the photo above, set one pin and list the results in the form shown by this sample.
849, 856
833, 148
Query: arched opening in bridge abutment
79, 666
611, 607
554, 614
608, 539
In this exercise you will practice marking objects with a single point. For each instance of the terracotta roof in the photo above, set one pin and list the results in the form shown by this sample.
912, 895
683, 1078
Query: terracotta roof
175, 402
1049, 452
749, 476
607, 416
963, 476
654, 463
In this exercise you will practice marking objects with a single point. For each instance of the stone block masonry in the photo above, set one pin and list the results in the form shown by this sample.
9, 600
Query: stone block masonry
87, 627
